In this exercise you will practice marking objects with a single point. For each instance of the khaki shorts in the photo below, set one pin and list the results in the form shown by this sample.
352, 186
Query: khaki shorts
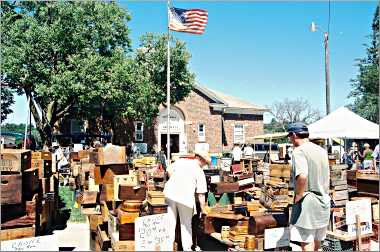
299, 234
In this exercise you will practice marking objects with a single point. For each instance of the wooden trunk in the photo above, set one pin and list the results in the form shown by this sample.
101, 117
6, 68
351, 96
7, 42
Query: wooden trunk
258, 224
129, 193
17, 233
214, 225
222, 187
13, 211
368, 184
30, 183
157, 209
11, 189
14, 161
127, 231
127, 217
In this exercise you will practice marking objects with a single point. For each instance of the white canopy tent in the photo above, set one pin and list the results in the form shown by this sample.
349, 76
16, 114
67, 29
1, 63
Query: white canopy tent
343, 123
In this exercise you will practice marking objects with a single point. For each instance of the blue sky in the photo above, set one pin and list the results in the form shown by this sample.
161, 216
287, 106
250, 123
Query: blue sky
263, 52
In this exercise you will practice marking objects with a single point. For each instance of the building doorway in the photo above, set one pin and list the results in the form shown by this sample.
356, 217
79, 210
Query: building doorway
174, 143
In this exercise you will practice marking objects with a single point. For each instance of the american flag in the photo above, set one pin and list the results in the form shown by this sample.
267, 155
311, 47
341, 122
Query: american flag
191, 21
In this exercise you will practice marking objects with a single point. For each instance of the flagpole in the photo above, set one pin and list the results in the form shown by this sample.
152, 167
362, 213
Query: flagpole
168, 91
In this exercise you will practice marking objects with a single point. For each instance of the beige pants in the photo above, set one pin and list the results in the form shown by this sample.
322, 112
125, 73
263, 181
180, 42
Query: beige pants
185, 216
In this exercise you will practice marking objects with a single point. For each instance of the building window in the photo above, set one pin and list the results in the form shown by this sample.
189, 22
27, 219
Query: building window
201, 133
239, 133
139, 131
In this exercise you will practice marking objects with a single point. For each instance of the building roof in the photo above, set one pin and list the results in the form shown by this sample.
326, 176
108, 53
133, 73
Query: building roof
229, 104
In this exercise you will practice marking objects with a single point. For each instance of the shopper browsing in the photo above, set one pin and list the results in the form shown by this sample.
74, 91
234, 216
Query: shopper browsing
311, 179
186, 178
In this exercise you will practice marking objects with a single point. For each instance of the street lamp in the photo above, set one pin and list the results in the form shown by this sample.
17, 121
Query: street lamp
314, 28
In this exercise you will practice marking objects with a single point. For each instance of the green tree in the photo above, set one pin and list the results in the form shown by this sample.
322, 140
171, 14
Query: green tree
6, 102
365, 87
139, 85
61, 54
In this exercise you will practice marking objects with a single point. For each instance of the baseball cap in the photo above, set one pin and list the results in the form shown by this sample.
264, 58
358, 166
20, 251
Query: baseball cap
297, 127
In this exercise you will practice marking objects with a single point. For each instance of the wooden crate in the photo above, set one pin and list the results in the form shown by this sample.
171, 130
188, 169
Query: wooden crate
17, 233
102, 237
131, 193
156, 198
95, 220
45, 155
280, 170
118, 245
15, 161
30, 183
107, 193
100, 172
340, 195
126, 217
84, 154
111, 154
44, 167
127, 231
11, 189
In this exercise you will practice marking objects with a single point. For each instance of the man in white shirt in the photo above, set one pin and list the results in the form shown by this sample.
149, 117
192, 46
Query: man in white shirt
186, 178
248, 151
236, 153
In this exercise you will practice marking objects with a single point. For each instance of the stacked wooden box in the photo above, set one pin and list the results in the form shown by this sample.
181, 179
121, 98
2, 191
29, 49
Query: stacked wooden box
42, 161
20, 195
106, 181
338, 184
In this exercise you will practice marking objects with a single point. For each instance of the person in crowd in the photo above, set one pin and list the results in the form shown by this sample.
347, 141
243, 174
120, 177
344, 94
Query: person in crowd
347, 159
288, 155
186, 179
248, 150
59, 156
311, 180
266, 158
236, 154
376, 158
366, 156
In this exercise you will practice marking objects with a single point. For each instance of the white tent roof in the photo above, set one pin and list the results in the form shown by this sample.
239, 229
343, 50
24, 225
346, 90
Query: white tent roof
343, 123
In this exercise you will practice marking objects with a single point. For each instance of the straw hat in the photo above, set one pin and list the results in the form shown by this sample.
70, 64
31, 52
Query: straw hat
204, 155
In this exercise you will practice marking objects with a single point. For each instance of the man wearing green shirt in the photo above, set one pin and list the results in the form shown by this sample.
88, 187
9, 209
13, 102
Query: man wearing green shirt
311, 179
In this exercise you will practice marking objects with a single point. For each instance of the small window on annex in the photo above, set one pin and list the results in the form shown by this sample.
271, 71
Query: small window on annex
201, 133
139, 131
239, 133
